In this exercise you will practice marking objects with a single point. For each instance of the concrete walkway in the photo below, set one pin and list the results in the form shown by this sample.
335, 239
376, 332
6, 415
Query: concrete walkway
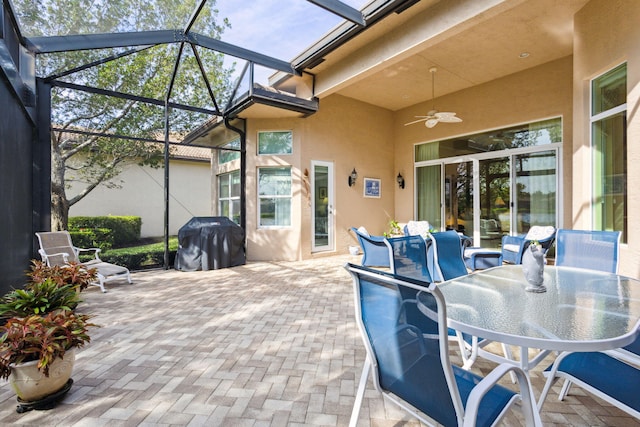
265, 344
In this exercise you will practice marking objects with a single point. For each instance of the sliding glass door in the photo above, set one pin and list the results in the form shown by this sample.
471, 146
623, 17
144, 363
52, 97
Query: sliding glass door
458, 195
536, 188
491, 184
495, 190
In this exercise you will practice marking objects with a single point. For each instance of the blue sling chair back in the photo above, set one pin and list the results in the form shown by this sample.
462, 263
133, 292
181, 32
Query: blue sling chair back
411, 366
449, 261
595, 250
448, 254
408, 258
604, 374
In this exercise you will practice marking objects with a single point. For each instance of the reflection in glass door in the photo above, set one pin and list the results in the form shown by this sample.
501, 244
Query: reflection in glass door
322, 206
458, 196
495, 211
536, 184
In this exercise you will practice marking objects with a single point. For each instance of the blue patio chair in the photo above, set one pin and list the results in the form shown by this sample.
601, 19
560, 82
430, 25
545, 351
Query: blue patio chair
448, 252
514, 246
408, 258
375, 252
448, 255
592, 249
608, 378
413, 369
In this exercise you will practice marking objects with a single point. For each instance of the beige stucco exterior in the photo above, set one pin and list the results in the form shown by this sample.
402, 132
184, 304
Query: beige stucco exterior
373, 140
531, 95
348, 133
606, 34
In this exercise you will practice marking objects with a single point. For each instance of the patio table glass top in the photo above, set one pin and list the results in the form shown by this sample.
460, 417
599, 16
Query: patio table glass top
582, 310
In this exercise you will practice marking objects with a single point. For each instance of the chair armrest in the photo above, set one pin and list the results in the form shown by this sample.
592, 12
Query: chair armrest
375, 239
513, 240
529, 408
45, 257
96, 250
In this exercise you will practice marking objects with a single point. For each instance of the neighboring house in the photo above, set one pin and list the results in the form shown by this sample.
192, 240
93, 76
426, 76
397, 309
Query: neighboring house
548, 92
141, 192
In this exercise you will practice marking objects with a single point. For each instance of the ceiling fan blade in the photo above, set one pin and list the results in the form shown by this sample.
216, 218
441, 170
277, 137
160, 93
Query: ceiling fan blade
431, 122
416, 121
447, 117
451, 120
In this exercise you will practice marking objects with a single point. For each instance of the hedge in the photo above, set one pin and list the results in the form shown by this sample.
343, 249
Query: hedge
141, 257
93, 238
126, 229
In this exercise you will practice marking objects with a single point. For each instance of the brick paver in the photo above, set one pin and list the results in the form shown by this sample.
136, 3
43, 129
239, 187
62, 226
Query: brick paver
265, 344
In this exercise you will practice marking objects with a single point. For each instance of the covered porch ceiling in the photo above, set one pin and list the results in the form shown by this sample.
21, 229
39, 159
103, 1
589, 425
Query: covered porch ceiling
469, 42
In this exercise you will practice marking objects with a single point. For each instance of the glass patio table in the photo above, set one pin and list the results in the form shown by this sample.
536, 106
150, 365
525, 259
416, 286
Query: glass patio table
582, 310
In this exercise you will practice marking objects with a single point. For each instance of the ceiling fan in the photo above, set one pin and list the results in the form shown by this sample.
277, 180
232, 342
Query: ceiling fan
434, 116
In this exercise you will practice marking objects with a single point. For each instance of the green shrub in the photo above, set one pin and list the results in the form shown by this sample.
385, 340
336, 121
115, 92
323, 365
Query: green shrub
140, 257
102, 238
126, 229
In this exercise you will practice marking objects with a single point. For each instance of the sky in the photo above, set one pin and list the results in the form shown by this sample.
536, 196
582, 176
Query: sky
279, 28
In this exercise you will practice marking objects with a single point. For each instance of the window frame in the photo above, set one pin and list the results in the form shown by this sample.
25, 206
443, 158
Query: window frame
274, 196
601, 117
263, 132
230, 198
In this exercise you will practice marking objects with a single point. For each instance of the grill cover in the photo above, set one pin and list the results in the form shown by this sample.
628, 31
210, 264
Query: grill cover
210, 243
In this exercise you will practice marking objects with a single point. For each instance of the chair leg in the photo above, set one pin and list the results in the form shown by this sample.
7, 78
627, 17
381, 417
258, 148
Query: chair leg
564, 390
509, 355
469, 353
100, 283
353, 422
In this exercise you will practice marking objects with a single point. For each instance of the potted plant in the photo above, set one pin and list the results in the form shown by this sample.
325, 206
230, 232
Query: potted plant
39, 298
41, 331
37, 352
394, 229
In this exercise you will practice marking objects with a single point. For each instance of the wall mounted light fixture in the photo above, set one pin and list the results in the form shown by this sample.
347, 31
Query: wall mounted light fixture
352, 177
400, 180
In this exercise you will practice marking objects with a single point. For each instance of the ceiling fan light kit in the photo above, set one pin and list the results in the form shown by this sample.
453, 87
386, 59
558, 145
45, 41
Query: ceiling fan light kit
434, 116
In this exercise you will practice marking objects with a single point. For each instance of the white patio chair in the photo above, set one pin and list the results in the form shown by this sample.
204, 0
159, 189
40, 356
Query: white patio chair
56, 248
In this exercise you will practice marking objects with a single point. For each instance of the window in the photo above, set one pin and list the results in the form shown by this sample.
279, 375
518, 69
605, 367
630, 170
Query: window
275, 142
274, 193
229, 195
528, 135
609, 150
228, 156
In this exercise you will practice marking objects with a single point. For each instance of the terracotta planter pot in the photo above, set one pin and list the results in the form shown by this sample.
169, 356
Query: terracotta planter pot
31, 385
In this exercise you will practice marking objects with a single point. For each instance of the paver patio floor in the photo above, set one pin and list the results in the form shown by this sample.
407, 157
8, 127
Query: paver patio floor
264, 344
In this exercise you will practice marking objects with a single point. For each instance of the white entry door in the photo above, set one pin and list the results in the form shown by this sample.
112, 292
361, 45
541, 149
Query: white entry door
322, 222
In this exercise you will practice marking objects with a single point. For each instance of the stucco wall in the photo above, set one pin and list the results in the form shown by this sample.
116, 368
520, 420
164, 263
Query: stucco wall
349, 133
535, 94
142, 194
607, 34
